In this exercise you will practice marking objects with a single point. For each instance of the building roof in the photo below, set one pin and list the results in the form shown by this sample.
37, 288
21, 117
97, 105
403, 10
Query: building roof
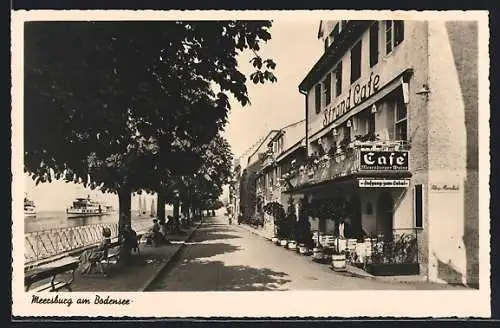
352, 31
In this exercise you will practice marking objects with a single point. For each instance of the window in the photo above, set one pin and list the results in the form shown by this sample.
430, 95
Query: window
338, 79
317, 96
326, 43
401, 122
327, 89
399, 32
394, 34
418, 206
374, 44
371, 123
356, 62
335, 33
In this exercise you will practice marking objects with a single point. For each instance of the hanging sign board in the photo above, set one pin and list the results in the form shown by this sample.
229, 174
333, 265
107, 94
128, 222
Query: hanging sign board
383, 183
384, 160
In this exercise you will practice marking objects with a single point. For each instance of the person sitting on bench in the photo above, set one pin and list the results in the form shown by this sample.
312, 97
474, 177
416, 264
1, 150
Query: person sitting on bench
92, 257
130, 241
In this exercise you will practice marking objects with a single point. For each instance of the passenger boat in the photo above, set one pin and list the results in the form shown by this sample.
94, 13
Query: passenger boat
87, 207
29, 208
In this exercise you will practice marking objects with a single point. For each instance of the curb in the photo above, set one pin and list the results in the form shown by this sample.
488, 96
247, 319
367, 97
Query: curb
171, 260
252, 231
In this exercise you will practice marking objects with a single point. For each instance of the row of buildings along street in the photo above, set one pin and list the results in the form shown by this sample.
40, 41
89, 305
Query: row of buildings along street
390, 133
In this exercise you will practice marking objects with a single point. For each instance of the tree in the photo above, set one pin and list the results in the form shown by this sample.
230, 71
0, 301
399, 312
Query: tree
126, 105
303, 226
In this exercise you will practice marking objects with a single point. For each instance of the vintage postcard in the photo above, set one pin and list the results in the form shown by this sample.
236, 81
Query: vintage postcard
250, 163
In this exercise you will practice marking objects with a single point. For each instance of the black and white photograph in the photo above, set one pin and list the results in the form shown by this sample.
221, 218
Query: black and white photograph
260, 163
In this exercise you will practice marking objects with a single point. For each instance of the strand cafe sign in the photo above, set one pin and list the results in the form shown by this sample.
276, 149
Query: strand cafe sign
384, 160
357, 94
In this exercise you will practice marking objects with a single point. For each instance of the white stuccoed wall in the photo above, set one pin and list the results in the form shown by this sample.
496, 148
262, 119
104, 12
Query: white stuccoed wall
447, 160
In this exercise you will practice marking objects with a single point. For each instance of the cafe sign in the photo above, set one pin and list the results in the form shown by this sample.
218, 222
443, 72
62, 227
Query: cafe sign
384, 183
384, 160
357, 94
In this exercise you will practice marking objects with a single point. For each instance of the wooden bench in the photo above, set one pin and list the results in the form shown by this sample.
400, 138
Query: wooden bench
52, 270
112, 257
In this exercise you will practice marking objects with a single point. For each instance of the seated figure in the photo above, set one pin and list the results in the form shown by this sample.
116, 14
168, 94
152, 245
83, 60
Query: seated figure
130, 241
92, 258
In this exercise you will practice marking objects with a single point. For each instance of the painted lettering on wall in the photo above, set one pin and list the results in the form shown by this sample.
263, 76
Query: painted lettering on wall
357, 94
384, 160
445, 187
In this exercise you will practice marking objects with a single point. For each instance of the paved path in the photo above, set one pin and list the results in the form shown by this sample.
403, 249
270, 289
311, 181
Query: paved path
222, 257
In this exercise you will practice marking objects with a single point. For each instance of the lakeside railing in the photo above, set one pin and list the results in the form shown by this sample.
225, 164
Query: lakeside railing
44, 244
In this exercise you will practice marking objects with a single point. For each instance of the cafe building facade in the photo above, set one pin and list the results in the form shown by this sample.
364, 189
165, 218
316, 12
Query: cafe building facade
391, 138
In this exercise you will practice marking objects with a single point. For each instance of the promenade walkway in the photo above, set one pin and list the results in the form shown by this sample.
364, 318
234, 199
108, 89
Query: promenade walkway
138, 275
352, 270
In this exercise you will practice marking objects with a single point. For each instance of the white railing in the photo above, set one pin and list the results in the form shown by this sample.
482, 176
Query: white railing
44, 244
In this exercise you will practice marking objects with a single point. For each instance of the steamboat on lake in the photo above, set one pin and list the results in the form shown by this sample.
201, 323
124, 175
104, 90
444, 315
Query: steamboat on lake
88, 207
29, 208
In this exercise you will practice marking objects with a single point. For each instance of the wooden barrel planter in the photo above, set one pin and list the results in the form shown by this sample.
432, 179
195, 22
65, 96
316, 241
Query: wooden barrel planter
284, 242
303, 250
339, 262
318, 255
292, 245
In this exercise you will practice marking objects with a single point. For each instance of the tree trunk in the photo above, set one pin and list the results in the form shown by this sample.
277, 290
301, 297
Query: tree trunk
124, 218
124, 204
176, 214
160, 206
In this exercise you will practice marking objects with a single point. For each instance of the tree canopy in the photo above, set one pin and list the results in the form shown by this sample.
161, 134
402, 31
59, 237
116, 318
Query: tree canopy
130, 103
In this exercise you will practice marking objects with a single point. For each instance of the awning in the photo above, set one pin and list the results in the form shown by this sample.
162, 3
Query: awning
353, 181
386, 89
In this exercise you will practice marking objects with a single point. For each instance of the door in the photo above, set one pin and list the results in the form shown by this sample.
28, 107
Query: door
384, 217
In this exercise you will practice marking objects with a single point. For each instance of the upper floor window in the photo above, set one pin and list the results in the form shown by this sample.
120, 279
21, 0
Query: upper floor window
374, 44
394, 34
327, 89
401, 121
326, 43
356, 62
317, 98
335, 32
337, 73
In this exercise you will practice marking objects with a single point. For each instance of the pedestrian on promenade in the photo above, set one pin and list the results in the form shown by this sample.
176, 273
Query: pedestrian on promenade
130, 241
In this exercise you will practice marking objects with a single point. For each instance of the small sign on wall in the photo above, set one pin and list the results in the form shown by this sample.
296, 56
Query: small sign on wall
444, 187
383, 183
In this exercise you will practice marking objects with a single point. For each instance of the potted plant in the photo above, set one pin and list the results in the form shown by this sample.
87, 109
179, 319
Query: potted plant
276, 210
303, 228
318, 253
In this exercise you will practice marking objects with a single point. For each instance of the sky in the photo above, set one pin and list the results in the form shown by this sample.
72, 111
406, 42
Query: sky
294, 47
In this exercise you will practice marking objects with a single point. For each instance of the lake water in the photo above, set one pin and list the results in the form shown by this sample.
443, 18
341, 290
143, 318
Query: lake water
57, 219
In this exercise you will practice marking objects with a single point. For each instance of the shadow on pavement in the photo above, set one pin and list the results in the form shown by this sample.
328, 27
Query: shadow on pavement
198, 251
226, 278
212, 236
